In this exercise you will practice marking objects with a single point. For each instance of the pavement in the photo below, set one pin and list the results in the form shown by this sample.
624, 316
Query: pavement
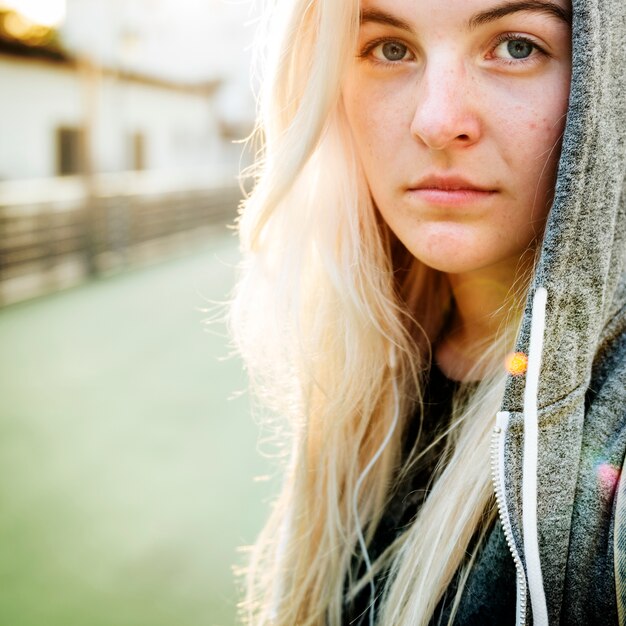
128, 454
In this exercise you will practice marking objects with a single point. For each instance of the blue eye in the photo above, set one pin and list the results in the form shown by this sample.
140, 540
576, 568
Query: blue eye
519, 49
512, 48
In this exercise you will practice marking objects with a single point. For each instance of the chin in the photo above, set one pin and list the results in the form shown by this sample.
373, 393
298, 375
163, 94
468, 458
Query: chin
465, 259
450, 265
450, 252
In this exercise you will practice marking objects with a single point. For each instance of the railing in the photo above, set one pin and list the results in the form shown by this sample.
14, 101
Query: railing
58, 233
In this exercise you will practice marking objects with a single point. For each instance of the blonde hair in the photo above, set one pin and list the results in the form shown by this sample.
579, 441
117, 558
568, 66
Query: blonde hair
330, 313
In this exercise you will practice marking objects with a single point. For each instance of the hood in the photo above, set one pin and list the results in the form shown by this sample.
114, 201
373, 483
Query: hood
583, 257
582, 269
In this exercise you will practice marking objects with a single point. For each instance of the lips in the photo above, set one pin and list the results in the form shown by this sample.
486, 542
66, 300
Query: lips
449, 191
449, 183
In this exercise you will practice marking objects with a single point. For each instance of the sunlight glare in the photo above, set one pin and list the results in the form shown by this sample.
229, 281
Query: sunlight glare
49, 13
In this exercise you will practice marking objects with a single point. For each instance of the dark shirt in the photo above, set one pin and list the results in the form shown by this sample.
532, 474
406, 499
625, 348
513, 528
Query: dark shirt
490, 592
408, 495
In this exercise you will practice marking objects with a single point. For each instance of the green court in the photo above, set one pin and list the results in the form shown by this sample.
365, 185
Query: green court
127, 451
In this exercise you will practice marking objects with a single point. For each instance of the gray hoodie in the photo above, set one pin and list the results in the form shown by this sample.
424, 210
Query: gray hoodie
560, 438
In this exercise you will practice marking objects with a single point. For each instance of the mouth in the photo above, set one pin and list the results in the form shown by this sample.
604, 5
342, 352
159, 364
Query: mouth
450, 191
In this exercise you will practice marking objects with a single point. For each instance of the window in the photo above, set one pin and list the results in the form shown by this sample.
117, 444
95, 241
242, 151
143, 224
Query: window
70, 150
138, 151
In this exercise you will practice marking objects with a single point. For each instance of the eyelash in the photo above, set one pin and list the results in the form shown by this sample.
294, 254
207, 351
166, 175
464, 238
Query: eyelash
504, 37
539, 51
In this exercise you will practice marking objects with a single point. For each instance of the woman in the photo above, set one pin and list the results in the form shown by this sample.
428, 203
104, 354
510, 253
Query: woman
440, 191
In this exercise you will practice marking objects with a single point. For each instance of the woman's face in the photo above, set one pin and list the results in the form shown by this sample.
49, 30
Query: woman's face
457, 109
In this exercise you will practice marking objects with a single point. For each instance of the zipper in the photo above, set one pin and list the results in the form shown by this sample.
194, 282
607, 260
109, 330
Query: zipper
497, 473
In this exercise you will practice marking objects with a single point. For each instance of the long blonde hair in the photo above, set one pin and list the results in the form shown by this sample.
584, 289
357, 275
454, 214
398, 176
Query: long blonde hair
334, 319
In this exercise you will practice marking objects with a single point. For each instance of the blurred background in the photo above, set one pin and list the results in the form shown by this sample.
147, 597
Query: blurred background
129, 471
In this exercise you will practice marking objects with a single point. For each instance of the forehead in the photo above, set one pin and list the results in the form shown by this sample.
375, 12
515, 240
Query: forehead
466, 14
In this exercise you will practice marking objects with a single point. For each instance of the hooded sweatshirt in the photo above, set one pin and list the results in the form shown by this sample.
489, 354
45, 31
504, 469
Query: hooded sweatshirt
558, 551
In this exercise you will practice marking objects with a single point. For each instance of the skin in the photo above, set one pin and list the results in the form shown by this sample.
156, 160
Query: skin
487, 104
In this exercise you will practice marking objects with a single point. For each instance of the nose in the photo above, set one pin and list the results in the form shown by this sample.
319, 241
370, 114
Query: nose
446, 107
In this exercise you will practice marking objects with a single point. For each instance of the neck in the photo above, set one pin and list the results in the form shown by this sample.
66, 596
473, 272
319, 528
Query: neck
482, 300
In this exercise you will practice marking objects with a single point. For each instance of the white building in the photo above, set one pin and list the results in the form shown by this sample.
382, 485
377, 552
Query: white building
133, 102
103, 107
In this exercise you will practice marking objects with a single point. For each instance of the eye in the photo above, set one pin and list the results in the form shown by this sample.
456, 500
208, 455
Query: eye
389, 51
513, 47
393, 51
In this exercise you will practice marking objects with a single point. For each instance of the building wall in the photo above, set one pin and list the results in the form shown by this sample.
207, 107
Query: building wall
179, 128
37, 97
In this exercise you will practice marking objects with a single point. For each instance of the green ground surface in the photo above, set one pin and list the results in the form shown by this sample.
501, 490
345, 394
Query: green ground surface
127, 453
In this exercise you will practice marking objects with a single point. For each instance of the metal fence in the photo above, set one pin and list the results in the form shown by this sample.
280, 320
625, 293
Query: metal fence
59, 233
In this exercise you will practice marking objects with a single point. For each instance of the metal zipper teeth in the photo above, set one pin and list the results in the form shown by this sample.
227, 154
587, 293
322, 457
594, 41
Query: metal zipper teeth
497, 454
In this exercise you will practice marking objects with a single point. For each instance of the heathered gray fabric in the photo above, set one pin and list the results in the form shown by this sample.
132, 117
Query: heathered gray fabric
582, 390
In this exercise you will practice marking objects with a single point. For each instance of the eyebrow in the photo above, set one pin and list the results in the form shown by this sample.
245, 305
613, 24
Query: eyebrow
380, 17
484, 17
507, 8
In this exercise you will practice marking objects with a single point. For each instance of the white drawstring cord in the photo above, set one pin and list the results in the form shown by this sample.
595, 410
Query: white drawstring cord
531, 442
364, 473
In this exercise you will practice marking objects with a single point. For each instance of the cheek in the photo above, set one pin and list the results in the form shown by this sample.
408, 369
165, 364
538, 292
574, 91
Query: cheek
378, 120
544, 151
530, 145
536, 122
